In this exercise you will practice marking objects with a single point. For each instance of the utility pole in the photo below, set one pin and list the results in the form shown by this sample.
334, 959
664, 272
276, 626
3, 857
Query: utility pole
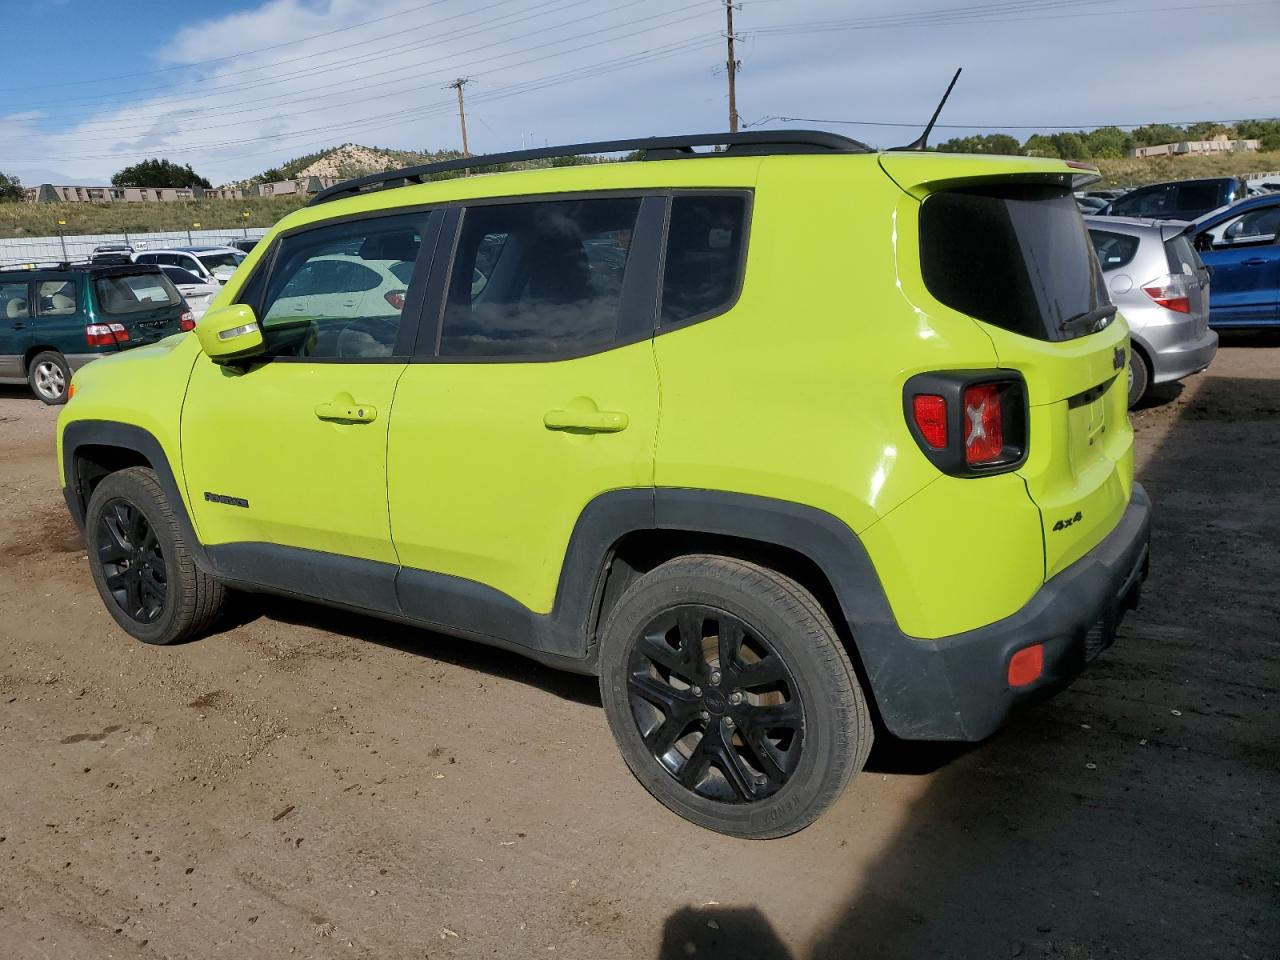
462, 113
731, 65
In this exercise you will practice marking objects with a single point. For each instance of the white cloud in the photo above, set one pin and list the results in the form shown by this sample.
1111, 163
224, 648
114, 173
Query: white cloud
382, 84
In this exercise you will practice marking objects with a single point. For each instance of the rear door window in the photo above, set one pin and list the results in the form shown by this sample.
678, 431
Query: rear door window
1145, 202
1114, 250
1016, 256
538, 280
1200, 196
135, 293
56, 298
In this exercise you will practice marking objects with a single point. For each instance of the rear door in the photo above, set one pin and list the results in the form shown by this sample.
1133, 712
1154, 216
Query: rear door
536, 393
1013, 253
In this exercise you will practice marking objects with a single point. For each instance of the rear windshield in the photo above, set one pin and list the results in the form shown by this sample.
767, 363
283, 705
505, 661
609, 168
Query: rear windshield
135, 293
1015, 255
1114, 250
1182, 256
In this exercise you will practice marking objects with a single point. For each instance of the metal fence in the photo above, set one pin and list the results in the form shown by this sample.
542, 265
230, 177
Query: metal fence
19, 250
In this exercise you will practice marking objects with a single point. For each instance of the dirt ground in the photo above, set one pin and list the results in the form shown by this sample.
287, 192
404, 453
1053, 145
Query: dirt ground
312, 784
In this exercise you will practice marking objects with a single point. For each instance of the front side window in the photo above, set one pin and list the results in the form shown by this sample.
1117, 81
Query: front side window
1255, 227
1200, 196
135, 293
14, 304
57, 298
705, 243
540, 279
337, 292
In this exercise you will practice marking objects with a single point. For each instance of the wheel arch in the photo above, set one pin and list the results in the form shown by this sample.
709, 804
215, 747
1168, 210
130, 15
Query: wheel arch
32, 352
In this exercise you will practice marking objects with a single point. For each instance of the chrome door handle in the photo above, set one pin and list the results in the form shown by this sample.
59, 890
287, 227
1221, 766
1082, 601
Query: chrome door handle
1254, 262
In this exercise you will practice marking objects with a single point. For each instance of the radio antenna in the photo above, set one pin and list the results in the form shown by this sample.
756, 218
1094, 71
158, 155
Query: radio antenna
922, 142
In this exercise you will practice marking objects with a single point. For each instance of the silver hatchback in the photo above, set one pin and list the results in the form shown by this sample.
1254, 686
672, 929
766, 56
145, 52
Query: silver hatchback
1161, 286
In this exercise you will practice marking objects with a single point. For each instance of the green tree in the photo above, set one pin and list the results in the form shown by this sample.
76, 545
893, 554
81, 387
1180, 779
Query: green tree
1157, 133
159, 173
11, 188
1107, 143
270, 175
1206, 130
1039, 145
1070, 146
997, 143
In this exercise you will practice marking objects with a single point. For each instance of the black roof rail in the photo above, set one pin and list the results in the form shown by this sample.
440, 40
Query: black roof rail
751, 143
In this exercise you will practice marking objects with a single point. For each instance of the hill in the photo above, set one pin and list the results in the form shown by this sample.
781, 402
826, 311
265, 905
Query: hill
41, 219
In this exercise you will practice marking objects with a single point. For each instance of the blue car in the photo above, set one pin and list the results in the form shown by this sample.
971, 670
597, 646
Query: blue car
1240, 243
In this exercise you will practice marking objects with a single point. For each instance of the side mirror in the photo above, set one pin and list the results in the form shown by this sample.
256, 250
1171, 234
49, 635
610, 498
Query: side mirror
229, 333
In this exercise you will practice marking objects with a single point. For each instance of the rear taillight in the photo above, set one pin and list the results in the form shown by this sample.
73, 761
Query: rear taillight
395, 298
930, 413
1170, 291
983, 424
969, 423
187, 321
105, 334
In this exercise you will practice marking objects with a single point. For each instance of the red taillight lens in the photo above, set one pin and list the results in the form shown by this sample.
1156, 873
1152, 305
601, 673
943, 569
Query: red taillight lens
1026, 665
187, 322
983, 424
930, 412
105, 334
395, 298
1170, 292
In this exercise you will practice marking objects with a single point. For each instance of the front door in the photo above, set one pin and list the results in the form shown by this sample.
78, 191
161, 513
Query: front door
285, 458
1245, 257
536, 393
15, 319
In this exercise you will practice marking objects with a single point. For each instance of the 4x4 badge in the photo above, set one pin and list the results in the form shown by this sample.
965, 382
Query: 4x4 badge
1117, 359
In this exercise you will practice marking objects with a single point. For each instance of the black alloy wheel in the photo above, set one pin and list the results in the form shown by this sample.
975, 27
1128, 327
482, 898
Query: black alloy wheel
715, 704
132, 562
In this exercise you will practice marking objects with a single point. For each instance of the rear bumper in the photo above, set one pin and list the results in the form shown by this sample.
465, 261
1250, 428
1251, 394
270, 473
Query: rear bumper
1173, 361
956, 688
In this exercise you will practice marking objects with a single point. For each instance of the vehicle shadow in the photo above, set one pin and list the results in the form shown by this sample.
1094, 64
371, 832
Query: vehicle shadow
417, 641
1131, 816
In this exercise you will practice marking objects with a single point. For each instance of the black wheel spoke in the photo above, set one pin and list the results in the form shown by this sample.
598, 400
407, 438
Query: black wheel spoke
131, 561
750, 745
118, 580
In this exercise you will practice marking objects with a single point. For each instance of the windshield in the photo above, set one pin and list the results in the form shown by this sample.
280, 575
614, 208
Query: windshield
1013, 255
135, 292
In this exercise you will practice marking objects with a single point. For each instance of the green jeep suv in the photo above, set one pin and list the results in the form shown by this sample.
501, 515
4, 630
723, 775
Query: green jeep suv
776, 440
54, 320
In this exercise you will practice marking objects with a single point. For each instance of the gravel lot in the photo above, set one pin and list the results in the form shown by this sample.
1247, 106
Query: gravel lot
312, 784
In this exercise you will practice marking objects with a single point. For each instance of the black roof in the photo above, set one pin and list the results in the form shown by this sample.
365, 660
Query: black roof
752, 143
96, 269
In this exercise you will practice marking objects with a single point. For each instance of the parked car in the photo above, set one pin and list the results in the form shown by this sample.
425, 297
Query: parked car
1161, 286
245, 245
112, 253
921, 494
1240, 244
214, 264
1089, 204
55, 320
1178, 199
195, 290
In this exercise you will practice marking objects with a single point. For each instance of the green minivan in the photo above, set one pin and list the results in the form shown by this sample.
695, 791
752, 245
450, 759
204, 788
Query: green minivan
55, 320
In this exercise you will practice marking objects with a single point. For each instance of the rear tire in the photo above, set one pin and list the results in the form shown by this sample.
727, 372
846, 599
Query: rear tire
1139, 376
141, 564
731, 697
48, 376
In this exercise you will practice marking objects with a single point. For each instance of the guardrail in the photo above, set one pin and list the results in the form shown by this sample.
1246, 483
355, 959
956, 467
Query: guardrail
15, 251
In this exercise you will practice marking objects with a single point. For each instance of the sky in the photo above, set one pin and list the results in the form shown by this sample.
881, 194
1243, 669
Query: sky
236, 87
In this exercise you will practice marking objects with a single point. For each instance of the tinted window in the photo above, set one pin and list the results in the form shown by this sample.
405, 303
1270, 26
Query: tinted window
1114, 250
13, 301
135, 293
179, 275
1015, 256
338, 291
538, 279
1254, 227
1201, 196
705, 241
56, 298
1146, 202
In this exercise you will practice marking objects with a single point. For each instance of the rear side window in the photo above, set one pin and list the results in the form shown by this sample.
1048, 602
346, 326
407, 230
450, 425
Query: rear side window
1016, 256
1183, 258
538, 280
135, 293
1146, 202
705, 242
1114, 250
1201, 196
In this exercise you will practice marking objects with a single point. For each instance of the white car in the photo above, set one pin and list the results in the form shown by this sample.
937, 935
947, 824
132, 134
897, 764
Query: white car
348, 297
195, 290
213, 264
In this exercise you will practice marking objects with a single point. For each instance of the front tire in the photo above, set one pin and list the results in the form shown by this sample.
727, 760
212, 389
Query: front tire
141, 564
731, 697
48, 375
